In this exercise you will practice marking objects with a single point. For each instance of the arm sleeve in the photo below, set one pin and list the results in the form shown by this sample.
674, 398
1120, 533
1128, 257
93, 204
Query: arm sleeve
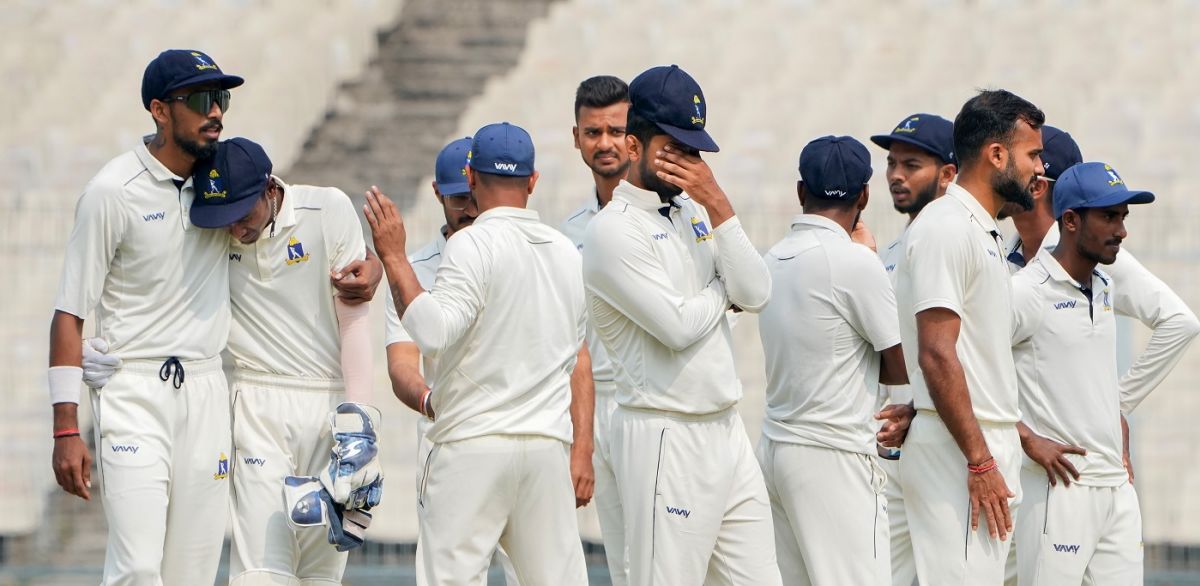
1027, 318
1141, 295
742, 269
940, 267
869, 299
620, 267
343, 231
99, 228
438, 318
354, 330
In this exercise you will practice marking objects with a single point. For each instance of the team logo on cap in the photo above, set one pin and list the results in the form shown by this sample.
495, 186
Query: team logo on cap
216, 189
700, 230
907, 126
467, 164
222, 468
1113, 178
202, 61
698, 119
295, 252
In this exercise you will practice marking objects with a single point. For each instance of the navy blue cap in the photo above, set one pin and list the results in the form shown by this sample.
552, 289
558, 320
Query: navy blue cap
228, 185
502, 149
1059, 152
835, 167
670, 98
450, 172
176, 68
1093, 185
929, 132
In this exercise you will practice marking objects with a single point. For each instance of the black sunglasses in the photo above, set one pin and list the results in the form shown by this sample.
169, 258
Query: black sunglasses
201, 102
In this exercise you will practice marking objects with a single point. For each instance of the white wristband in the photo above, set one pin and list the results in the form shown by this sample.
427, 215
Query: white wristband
64, 384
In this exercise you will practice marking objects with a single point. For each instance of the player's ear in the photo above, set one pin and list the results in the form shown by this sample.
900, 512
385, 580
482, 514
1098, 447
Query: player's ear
634, 146
997, 154
471, 179
863, 198
575, 134
946, 174
800, 192
533, 181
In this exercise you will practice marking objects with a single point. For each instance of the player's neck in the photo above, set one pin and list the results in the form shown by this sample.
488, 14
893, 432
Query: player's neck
1032, 227
605, 187
979, 186
172, 157
1077, 266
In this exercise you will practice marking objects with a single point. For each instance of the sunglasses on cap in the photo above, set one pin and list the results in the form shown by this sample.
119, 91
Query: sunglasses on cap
201, 101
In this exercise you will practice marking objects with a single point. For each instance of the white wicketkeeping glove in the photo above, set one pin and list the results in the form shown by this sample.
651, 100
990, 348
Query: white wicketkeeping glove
308, 505
354, 477
98, 365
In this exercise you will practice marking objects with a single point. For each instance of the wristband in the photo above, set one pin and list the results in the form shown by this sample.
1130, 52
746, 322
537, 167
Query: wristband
66, 433
423, 405
987, 466
64, 382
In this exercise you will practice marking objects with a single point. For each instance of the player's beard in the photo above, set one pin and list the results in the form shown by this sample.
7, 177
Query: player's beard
621, 170
651, 181
924, 196
201, 152
1008, 186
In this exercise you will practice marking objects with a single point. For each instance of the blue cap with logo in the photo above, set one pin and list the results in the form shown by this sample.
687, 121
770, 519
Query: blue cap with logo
228, 185
928, 132
835, 167
670, 98
450, 172
1093, 185
176, 68
502, 149
1059, 152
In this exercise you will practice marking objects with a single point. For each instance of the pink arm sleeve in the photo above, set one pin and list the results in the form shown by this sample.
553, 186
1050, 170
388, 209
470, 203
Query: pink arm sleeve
353, 327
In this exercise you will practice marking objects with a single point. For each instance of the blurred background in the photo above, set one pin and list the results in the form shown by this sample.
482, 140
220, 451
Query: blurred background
352, 93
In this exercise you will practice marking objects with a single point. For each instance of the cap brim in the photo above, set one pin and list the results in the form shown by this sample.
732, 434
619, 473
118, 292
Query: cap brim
453, 189
885, 141
226, 81
697, 139
220, 216
1127, 197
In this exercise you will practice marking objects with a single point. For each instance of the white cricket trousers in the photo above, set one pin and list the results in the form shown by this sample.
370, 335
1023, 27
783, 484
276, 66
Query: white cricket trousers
829, 513
1077, 534
947, 552
511, 490
607, 496
280, 428
696, 508
904, 567
163, 462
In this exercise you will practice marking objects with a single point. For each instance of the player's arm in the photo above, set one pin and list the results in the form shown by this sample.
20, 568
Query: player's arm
408, 384
742, 269
583, 406
1141, 295
342, 233
357, 281
1050, 455
620, 267
71, 461
937, 337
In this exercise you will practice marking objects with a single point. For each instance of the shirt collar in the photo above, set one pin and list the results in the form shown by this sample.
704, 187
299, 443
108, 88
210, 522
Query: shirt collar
816, 221
159, 171
638, 197
968, 201
1058, 273
508, 212
286, 217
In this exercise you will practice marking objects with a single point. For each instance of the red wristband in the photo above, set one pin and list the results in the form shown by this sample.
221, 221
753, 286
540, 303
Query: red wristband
987, 466
66, 433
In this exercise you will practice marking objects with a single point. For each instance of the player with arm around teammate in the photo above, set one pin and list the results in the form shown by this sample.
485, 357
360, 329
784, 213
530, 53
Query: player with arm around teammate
830, 336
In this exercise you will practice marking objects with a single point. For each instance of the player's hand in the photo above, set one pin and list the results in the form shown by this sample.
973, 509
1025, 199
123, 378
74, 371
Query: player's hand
896, 420
387, 226
690, 173
73, 466
1126, 459
357, 281
583, 476
354, 477
98, 365
862, 235
1052, 456
989, 499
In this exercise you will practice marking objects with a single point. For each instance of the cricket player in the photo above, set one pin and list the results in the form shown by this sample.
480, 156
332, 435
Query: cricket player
301, 356
159, 289
601, 109
920, 167
830, 335
961, 457
1080, 522
661, 269
505, 322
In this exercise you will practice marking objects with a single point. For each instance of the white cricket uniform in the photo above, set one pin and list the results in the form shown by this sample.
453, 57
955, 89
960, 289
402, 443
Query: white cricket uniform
425, 262
159, 287
953, 259
1064, 345
695, 505
504, 321
607, 497
904, 566
286, 350
832, 312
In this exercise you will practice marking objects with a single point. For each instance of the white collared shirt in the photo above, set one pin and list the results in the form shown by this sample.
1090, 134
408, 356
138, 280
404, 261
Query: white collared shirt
158, 285
657, 293
283, 302
1064, 344
954, 259
1146, 298
425, 263
574, 227
832, 311
891, 257
505, 320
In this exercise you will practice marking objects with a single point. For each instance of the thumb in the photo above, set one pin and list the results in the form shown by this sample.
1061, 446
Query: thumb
98, 344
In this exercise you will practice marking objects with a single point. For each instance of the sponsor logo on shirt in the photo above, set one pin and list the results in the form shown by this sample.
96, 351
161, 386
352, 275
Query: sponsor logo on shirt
1065, 304
125, 448
701, 230
222, 468
659, 236
154, 216
295, 252
1064, 548
235, 256
260, 462
889, 268
686, 513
